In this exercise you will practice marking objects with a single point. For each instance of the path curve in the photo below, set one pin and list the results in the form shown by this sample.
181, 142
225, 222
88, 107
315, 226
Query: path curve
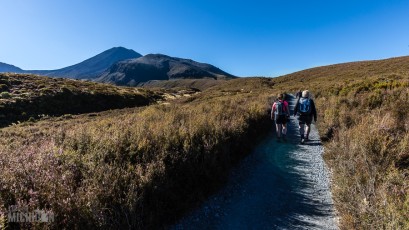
278, 186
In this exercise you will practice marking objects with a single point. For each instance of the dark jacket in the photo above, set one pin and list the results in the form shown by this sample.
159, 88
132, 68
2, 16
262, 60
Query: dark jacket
298, 95
313, 110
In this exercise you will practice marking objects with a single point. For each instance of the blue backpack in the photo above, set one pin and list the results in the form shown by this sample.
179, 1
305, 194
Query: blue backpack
304, 106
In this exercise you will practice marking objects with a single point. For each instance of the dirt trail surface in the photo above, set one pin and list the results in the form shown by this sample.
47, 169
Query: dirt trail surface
279, 186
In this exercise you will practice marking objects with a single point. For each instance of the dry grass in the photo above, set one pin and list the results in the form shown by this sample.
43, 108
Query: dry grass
143, 168
363, 110
367, 154
200, 84
138, 168
24, 97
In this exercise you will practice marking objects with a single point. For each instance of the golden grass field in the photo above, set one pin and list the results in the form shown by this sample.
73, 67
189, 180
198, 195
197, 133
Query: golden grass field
363, 108
144, 167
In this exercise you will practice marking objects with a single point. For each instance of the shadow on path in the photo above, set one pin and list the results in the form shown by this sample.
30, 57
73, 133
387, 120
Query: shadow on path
279, 186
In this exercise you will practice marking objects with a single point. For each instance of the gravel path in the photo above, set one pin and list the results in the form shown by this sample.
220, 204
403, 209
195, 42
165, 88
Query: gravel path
279, 186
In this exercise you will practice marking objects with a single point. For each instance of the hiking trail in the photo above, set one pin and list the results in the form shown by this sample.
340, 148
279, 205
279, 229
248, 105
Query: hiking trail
278, 186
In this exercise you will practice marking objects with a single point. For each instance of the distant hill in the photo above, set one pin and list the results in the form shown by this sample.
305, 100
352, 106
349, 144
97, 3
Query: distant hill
88, 69
9, 68
92, 67
200, 84
121, 66
351, 71
159, 67
24, 95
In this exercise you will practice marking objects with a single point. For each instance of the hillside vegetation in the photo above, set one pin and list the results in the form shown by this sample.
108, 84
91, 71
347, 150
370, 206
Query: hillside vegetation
144, 167
200, 84
29, 97
139, 168
363, 109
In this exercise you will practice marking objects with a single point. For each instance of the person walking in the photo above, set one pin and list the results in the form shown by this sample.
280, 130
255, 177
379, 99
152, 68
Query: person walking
280, 113
306, 111
298, 94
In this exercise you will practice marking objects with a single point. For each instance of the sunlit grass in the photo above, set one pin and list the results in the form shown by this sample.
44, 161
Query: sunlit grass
138, 168
363, 110
145, 167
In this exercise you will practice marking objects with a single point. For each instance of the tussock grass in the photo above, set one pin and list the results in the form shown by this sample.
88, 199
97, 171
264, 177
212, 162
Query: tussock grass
138, 168
363, 117
200, 84
25, 96
142, 168
371, 140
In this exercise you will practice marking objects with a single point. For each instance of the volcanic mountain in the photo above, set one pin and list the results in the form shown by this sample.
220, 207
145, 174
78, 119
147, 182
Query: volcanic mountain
159, 67
92, 67
88, 69
9, 68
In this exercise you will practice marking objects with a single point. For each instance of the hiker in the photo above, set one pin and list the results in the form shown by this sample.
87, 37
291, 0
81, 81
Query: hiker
298, 94
305, 109
280, 112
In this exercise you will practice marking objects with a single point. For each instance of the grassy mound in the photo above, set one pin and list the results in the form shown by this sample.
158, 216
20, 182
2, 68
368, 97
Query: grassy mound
143, 167
138, 168
363, 108
24, 97
200, 84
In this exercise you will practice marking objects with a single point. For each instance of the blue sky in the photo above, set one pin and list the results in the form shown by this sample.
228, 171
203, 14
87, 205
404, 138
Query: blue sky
245, 38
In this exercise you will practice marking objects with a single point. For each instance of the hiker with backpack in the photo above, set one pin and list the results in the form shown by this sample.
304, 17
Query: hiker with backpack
298, 94
280, 112
305, 109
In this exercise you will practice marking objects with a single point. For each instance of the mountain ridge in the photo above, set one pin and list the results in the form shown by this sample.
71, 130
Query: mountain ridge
4, 67
121, 66
159, 67
352, 67
91, 67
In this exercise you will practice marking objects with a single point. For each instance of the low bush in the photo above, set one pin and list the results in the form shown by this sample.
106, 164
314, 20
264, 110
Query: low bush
5, 95
36, 95
129, 169
3, 88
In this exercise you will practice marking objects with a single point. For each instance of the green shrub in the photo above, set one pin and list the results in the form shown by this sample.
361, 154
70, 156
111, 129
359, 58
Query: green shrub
374, 100
4, 82
5, 95
142, 168
3, 88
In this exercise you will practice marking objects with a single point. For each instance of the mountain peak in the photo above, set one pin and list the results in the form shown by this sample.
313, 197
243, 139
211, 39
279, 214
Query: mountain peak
120, 49
92, 67
9, 68
124, 66
159, 67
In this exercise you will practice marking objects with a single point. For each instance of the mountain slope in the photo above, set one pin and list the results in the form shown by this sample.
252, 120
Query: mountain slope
9, 68
351, 71
177, 154
91, 67
200, 84
25, 96
159, 67
363, 110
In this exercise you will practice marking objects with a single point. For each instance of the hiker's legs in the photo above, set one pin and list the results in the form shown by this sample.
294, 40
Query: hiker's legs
284, 129
301, 127
308, 127
307, 130
280, 125
278, 129
301, 123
